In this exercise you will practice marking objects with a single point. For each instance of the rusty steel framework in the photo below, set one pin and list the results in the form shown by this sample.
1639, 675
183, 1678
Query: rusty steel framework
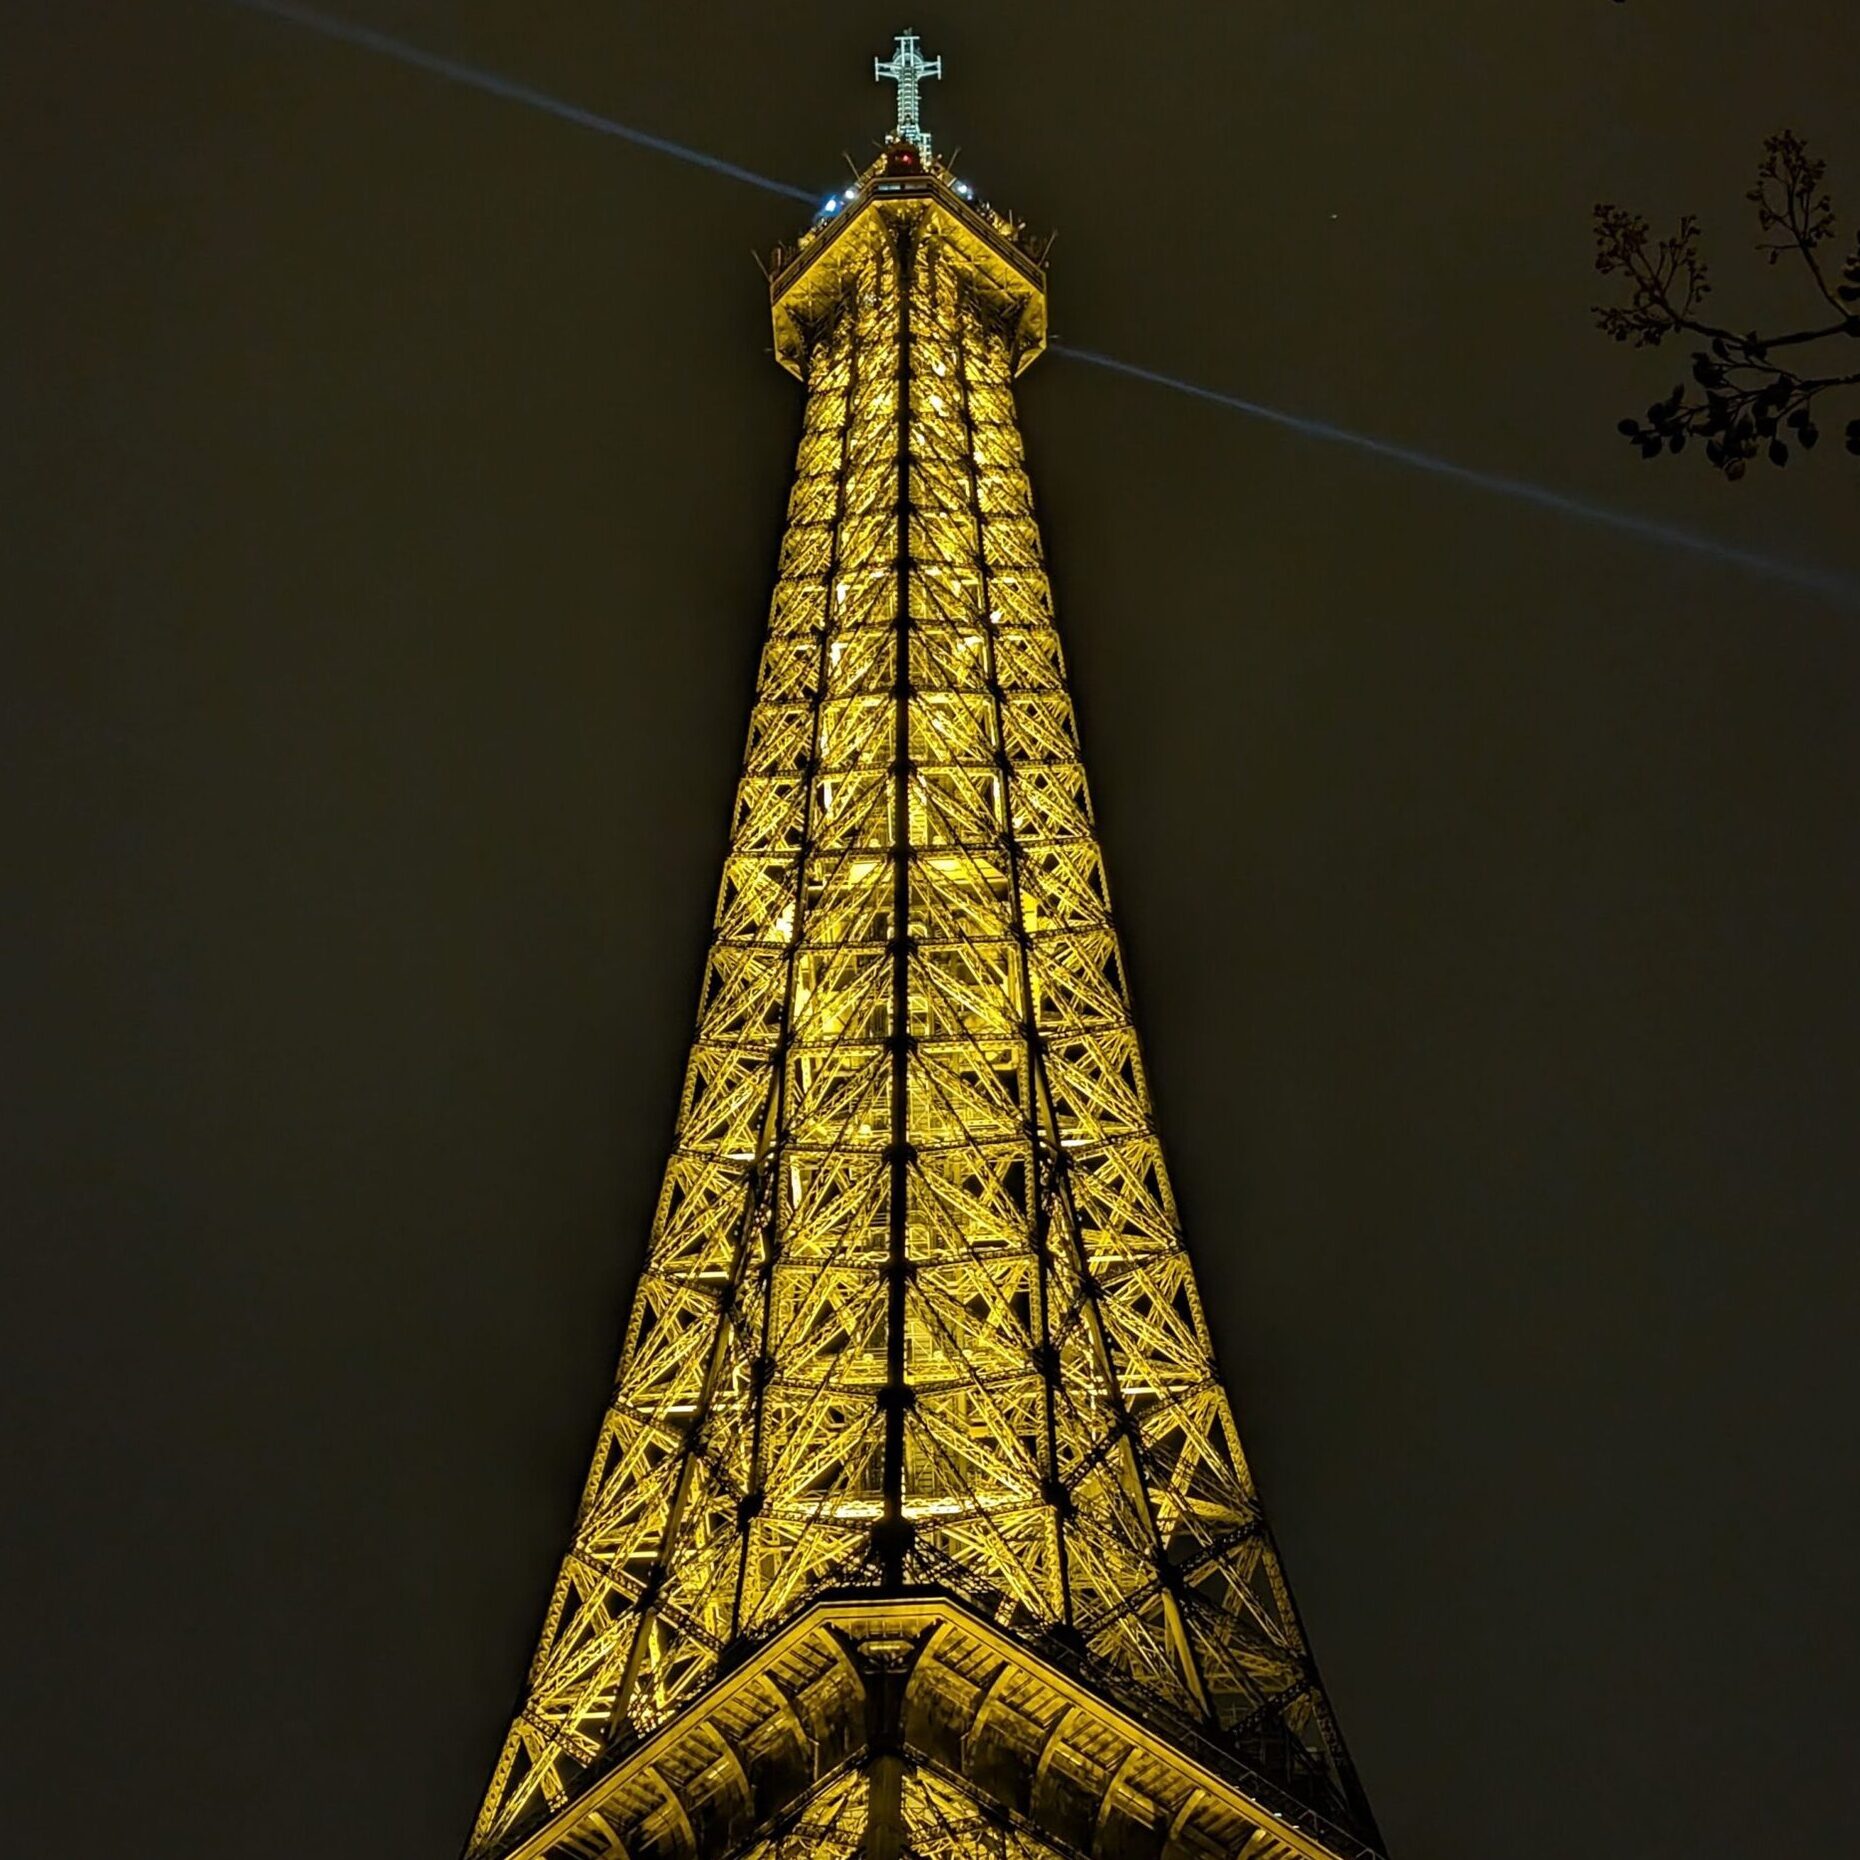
918, 1522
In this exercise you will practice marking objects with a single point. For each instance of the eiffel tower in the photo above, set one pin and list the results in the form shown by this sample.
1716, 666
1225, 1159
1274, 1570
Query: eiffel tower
918, 1523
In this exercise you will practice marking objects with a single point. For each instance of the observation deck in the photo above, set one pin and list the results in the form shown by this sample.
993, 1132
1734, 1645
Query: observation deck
808, 278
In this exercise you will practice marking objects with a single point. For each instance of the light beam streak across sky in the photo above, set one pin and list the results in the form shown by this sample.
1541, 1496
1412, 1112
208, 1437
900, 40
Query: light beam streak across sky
1821, 581
475, 77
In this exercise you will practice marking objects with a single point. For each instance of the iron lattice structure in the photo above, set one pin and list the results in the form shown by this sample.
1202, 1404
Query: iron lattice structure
918, 1522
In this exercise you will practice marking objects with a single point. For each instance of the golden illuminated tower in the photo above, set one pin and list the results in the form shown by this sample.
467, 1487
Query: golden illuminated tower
918, 1522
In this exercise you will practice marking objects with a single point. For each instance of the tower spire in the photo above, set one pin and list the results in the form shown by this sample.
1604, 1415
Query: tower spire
907, 68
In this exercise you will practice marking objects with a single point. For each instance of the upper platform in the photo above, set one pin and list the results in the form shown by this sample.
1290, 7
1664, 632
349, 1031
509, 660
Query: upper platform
806, 279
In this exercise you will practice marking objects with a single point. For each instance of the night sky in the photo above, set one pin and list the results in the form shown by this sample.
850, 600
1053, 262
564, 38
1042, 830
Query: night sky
392, 483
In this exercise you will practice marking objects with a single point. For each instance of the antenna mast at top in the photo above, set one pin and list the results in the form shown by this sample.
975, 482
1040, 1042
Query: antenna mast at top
907, 68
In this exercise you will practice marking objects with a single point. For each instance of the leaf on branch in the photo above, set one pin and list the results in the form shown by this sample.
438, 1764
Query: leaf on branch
1850, 275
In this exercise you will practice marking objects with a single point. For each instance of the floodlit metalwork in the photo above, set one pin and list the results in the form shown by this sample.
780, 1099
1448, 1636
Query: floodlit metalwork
918, 1523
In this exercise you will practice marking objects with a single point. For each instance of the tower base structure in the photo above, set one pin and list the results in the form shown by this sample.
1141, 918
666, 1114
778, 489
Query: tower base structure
913, 1726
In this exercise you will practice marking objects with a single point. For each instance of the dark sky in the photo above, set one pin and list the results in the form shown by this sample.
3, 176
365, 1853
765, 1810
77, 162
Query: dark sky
392, 479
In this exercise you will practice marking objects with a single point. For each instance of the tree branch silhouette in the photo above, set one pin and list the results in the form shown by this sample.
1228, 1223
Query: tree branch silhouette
1749, 388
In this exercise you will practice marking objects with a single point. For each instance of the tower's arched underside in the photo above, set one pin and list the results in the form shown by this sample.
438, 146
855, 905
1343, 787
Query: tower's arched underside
918, 1519
922, 1710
